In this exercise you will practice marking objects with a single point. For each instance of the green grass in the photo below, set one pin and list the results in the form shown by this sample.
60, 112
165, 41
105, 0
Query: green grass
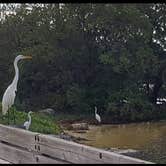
40, 122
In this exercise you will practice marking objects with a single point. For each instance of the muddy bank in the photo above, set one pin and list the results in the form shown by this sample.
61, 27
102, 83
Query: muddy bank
67, 124
68, 137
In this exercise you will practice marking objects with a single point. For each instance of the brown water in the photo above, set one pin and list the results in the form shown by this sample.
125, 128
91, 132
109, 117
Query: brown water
148, 138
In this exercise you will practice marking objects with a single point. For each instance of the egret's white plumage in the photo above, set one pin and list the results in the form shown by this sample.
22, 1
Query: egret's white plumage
8, 99
97, 116
28, 123
10, 93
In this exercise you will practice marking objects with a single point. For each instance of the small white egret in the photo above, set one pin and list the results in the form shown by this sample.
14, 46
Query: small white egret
97, 116
28, 123
10, 93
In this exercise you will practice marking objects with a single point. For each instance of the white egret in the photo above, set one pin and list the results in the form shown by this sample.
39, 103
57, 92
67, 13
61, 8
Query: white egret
10, 93
28, 123
97, 116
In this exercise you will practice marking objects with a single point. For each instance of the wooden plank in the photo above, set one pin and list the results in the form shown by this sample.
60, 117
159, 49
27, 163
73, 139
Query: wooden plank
78, 153
67, 155
4, 162
19, 137
15, 155
10, 154
47, 160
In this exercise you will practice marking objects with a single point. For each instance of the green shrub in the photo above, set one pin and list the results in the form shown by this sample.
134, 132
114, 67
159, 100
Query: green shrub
40, 122
137, 108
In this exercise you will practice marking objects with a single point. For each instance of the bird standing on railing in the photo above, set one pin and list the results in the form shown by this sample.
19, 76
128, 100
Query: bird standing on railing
10, 93
97, 116
27, 124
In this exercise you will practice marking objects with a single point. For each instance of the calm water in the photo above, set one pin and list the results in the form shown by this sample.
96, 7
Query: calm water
148, 138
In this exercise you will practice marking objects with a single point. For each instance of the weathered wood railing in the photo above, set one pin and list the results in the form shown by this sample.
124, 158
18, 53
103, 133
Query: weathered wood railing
21, 146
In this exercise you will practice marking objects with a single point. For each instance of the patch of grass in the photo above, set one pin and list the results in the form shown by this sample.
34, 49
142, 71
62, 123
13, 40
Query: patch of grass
40, 122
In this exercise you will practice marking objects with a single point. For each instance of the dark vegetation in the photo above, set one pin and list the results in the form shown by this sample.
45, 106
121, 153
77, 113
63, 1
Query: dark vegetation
84, 55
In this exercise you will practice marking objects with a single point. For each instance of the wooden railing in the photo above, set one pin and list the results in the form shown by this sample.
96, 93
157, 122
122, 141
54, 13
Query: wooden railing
22, 146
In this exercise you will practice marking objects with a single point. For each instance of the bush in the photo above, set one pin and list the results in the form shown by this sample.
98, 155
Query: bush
40, 123
135, 108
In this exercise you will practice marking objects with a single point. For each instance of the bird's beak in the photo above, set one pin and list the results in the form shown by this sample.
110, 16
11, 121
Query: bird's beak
27, 57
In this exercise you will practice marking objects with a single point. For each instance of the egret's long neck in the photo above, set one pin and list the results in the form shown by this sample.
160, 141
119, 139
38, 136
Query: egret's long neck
95, 110
15, 80
29, 116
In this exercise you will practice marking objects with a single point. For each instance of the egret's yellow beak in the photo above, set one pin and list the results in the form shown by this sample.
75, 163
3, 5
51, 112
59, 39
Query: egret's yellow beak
28, 57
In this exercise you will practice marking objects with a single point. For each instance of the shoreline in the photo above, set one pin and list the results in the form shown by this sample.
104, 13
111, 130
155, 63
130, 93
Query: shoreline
79, 136
66, 124
70, 137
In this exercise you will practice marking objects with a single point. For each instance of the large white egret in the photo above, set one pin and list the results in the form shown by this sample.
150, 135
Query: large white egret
97, 116
10, 93
28, 123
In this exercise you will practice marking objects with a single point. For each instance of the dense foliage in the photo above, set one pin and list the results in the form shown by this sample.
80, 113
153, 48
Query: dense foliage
84, 55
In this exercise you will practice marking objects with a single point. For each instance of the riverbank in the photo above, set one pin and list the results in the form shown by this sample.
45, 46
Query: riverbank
78, 139
144, 140
66, 123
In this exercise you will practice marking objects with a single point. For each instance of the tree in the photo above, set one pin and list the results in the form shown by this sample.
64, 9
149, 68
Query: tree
156, 15
84, 55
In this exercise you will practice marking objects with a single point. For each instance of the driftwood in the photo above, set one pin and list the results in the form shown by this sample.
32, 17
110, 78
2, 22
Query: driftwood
80, 126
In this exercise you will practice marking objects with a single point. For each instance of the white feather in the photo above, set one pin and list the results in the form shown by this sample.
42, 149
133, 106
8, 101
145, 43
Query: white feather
8, 99
97, 116
28, 123
10, 93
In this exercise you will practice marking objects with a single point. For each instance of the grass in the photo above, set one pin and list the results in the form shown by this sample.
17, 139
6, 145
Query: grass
40, 122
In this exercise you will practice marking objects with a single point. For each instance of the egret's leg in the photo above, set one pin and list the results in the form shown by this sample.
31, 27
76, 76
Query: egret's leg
2, 116
14, 116
13, 110
8, 116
